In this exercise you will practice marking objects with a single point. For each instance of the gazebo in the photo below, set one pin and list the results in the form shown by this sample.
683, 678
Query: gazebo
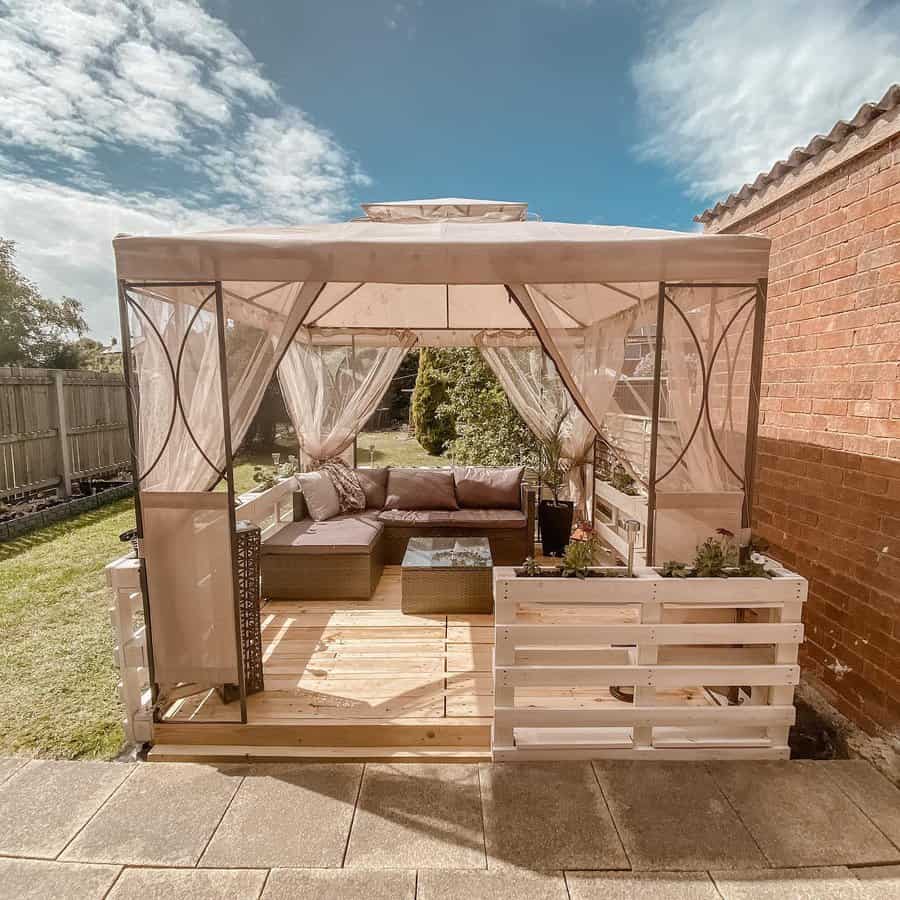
653, 337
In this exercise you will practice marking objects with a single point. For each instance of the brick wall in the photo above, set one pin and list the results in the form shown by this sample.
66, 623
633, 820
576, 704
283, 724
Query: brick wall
828, 473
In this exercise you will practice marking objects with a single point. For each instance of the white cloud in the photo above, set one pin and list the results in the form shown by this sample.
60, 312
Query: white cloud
727, 89
64, 238
82, 78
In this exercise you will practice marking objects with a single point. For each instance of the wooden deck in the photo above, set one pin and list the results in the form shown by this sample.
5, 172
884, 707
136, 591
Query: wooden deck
357, 675
361, 680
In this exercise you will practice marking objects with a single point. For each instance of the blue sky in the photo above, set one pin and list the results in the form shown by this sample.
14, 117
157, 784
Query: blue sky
154, 115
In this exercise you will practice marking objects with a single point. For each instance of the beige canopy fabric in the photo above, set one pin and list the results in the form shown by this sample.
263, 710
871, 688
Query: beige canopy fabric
444, 252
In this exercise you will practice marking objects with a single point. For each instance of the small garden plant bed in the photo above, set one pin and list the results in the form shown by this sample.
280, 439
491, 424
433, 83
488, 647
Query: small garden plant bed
22, 517
560, 572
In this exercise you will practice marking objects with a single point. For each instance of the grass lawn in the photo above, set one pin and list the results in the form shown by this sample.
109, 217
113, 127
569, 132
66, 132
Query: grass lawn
394, 448
58, 696
59, 693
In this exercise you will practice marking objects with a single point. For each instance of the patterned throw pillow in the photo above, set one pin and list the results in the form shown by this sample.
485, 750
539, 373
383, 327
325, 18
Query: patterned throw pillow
351, 496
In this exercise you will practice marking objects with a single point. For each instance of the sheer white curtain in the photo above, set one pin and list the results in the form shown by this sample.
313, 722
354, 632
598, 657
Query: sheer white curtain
691, 338
539, 396
176, 343
583, 327
330, 390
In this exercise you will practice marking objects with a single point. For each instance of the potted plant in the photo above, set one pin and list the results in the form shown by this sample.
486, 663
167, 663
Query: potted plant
554, 515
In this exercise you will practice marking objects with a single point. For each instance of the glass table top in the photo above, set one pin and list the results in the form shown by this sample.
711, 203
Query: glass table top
448, 553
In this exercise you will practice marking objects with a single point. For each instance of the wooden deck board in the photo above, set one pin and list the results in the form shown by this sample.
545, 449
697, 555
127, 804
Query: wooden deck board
361, 673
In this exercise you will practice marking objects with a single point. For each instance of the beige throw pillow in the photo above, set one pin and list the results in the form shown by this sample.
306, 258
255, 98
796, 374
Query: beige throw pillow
320, 495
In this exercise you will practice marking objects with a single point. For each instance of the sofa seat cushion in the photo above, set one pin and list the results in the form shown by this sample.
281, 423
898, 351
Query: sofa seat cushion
414, 518
485, 519
488, 518
348, 533
488, 487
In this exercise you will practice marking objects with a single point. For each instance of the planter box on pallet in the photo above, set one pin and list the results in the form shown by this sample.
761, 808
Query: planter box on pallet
675, 641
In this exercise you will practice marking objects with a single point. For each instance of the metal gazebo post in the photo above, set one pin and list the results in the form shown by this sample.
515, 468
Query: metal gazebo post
756, 364
654, 426
130, 400
229, 482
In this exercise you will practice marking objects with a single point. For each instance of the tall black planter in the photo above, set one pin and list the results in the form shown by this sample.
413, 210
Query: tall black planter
555, 520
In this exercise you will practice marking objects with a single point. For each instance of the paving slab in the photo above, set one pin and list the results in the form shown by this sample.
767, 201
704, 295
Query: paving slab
547, 817
870, 791
496, 884
417, 817
32, 879
163, 815
188, 884
288, 815
799, 816
10, 764
880, 882
674, 817
46, 802
640, 886
339, 884
827, 883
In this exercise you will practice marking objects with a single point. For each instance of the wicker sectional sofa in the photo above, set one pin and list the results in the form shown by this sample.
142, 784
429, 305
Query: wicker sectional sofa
343, 557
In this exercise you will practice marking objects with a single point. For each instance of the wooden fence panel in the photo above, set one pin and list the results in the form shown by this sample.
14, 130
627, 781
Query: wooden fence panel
31, 445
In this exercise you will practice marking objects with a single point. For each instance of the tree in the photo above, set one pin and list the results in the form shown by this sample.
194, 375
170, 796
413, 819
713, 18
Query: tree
433, 430
86, 353
34, 331
488, 430
393, 411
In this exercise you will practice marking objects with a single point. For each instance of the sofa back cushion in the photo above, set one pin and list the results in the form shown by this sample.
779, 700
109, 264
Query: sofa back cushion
486, 487
374, 484
322, 500
420, 489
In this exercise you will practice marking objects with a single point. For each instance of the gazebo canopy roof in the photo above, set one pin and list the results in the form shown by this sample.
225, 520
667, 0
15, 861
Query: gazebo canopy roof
463, 251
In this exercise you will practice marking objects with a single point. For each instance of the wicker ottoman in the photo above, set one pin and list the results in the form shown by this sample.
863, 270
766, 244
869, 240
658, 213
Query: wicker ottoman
447, 575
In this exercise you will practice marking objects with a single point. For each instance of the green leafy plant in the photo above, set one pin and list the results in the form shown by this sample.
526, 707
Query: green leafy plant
673, 569
712, 559
264, 477
752, 569
529, 568
622, 481
577, 559
553, 467
717, 557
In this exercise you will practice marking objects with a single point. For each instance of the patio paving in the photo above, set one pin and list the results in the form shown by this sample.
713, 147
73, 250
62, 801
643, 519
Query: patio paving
197, 884
673, 816
339, 884
33, 879
162, 816
417, 817
548, 816
641, 886
800, 817
287, 815
448, 832
45, 803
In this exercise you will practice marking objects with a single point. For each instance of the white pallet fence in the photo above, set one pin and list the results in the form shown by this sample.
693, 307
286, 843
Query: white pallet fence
692, 634
126, 617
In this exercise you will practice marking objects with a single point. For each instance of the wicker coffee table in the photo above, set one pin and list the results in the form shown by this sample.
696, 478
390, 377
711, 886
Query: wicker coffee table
447, 575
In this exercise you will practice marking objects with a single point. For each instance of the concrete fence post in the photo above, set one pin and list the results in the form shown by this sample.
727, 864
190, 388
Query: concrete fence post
65, 478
